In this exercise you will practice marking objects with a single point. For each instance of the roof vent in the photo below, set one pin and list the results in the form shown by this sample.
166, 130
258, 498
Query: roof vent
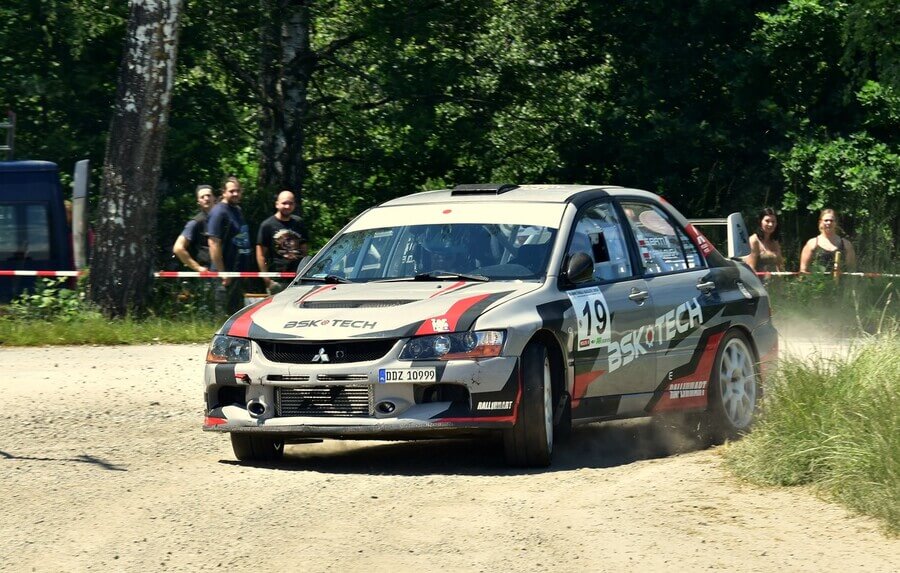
483, 189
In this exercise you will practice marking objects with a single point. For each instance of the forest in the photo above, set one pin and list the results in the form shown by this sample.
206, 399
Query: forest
717, 106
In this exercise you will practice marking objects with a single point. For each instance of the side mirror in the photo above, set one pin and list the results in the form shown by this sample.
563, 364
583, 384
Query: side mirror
580, 268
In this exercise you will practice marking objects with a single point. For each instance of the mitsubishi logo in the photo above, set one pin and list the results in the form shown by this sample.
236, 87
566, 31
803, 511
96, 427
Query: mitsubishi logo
321, 356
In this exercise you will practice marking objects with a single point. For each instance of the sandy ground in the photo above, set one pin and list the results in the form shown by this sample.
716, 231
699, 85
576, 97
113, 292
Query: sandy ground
103, 467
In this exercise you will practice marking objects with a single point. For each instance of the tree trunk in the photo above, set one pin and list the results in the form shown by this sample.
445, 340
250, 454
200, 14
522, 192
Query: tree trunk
125, 248
272, 140
287, 67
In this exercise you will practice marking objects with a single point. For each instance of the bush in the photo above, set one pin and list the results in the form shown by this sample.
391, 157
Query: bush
52, 299
833, 424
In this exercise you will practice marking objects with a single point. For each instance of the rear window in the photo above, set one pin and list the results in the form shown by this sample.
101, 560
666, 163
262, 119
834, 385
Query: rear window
24, 232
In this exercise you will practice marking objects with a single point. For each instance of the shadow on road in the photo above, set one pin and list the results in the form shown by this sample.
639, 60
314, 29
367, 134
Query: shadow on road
84, 459
605, 445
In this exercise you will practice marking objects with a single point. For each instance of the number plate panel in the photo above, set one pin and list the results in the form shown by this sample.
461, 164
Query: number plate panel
394, 375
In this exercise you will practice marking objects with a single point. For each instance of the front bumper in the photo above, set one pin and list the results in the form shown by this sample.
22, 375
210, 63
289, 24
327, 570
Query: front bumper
467, 395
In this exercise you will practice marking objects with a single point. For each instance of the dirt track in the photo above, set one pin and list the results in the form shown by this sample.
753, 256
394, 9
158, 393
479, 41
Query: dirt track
103, 467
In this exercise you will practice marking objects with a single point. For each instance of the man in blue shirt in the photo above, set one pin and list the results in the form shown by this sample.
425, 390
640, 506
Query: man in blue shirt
191, 246
229, 244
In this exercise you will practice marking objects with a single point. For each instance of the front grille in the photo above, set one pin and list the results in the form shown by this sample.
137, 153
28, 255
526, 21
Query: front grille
326, 401
342, 352
288, 378
353, 303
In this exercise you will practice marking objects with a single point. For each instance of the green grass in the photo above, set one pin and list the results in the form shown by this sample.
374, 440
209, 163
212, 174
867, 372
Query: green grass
91, 328
835, 425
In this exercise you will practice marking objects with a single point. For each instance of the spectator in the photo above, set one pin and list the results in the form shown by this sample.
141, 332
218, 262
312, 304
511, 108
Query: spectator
281, 241
765, 244
827, 252
191, 246
229, 244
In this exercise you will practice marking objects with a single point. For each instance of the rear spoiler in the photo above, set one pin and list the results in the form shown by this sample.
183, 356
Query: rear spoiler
738, 240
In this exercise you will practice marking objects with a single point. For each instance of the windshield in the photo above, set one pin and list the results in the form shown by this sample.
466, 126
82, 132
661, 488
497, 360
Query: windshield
480, 250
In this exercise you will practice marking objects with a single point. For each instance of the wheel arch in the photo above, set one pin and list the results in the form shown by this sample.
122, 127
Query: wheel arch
557, 360
748, 336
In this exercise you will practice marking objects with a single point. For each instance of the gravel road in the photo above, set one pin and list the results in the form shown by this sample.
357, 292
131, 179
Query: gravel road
103, 467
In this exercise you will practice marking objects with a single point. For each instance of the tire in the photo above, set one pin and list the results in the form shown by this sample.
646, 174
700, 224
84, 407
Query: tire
530, 442
249, 448
733, 390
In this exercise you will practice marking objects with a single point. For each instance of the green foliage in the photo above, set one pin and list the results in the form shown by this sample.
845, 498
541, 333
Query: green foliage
719, 106
860, 177
55, 314
96, 329
832, 424
58, 61
51, 300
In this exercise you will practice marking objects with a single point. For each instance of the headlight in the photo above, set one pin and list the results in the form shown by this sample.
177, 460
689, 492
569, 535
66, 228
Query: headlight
228, 349
454, 346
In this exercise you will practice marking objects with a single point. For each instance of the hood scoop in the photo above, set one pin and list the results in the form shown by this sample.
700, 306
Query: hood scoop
353, 303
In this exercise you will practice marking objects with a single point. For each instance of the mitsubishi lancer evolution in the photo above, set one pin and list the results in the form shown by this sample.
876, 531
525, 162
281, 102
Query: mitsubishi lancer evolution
510, 310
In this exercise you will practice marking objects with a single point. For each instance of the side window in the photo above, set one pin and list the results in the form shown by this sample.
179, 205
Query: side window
37, 232
598, 232
694, 260
659, 244
9, 233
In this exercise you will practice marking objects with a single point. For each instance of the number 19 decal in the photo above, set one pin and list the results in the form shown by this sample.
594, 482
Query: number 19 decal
593, 317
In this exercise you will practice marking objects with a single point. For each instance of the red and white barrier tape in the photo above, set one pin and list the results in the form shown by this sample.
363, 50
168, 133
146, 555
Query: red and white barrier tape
159, 275
223, 275
41, 273
273, 275
839, 273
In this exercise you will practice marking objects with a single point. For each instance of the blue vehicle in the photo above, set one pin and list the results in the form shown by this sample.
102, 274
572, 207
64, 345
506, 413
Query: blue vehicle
34, 232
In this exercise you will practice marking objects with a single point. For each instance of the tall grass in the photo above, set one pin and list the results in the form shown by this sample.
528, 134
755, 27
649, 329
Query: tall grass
846, 307
834, 424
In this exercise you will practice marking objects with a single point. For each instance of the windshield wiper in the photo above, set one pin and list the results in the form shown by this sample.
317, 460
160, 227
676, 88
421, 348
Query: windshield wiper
447, 275
329, 279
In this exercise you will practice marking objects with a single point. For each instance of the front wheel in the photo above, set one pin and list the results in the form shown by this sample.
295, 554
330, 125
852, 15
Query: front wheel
249, 448
734, 388
530, 442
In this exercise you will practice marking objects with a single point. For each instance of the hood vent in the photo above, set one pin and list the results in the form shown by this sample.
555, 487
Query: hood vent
353, 303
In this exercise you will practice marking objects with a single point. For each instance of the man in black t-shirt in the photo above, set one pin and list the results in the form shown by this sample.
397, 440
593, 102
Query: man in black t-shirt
281, 241
191, 247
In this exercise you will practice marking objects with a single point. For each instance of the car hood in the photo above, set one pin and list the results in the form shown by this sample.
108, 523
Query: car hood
371, 310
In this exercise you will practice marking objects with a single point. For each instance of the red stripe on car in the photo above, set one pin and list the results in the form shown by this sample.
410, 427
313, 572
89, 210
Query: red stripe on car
312, 293
448, 320
454, 286
210, 421
582, 381
700, 241
692, 390
241, 325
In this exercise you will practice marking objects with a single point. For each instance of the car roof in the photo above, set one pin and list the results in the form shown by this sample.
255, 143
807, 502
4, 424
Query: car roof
520, 193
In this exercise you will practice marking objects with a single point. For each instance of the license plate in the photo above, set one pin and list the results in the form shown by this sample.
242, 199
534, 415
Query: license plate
389, 375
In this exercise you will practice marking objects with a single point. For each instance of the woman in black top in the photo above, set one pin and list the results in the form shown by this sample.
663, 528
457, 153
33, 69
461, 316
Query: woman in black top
821, 252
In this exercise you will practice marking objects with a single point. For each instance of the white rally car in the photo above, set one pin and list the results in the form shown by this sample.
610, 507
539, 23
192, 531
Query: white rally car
518, 310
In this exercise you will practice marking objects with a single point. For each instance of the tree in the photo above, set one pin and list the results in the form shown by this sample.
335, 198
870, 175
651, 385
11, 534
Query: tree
124, 253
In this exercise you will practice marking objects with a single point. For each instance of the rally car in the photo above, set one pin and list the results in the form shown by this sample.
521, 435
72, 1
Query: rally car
518, 310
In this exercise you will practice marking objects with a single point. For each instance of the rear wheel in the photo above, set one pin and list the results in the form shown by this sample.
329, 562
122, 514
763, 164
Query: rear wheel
530, 442
249, 448
734, 388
